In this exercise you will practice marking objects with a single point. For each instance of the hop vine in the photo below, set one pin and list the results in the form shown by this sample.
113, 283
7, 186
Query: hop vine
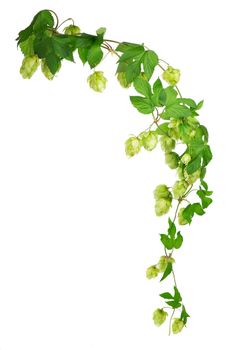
174, 121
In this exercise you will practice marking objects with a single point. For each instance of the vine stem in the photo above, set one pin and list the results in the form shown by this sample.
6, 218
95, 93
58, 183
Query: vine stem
170, 322
57, 19
68, 19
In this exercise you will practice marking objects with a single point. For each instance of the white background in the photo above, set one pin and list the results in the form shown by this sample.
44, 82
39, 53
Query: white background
77, 226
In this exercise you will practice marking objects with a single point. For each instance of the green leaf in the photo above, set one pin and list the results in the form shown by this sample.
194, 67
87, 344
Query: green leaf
101, 31
193, 165
53, 62
188, 213
143, 104
205, 200
207, 154
172, 228
157, 86
162, 129
150, 61
171, 95
205, 185
83, 54
132, 52
187, 101
167, 272
184, 315
166, 296
204, 133
27, 46
44, 20
178, 241
142, 86
176, 111
167, 241
122, 47
95, 55
197, 208
133, 70
200, 105
174, 304
177, 296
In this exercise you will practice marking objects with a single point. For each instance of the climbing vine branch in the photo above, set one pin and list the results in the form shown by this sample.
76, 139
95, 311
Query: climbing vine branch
174, 121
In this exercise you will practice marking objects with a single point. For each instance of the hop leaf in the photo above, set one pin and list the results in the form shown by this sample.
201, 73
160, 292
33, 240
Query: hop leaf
152, 272
132, 146
177, 325
72, 30
149, 140
97, 81
159, 317
171, 75
29, 66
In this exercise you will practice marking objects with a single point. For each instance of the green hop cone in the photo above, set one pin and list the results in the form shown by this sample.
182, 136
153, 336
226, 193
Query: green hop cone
174, 133
132, 146
162, 206
162, 191
152, 272
172, 159
97, 81
29, 66
149, 140
167, 144
177, 325
72, 30
163, 262
179, 189
192, 178
121, 77
181, 219
159, 317
171, 75
186, 158
46, 71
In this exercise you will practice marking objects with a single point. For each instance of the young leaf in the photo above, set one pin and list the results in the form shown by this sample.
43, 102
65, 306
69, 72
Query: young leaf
167, 272
166, 295
200, 105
